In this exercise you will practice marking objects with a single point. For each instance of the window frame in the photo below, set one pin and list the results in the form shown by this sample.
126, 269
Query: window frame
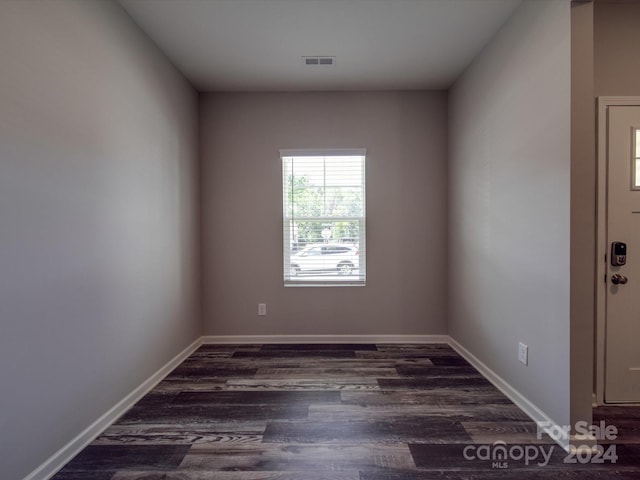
330, 280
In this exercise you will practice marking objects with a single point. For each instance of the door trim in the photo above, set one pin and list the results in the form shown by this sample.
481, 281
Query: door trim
601, 235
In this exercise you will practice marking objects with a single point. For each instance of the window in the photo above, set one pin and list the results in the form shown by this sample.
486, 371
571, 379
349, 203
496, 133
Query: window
323, 217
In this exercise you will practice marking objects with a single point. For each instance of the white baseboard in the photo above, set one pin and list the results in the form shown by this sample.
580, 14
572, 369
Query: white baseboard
59, 459
514, 395
267, 339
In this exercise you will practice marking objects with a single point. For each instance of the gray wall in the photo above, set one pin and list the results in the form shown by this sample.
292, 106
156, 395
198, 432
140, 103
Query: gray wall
509, 153
583, 211
98, 277
616, 37
405, 137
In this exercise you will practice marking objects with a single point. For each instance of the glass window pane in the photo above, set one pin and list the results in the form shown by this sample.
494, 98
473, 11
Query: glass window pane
343, 171
343, 202
324, 224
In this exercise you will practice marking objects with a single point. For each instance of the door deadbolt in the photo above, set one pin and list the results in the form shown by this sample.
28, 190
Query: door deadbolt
618, 254
618, 279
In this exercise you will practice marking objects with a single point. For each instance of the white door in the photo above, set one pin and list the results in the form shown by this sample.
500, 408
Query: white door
622, 355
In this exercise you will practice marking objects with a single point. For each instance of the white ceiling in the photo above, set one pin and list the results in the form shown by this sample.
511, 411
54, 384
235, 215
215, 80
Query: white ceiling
258, 45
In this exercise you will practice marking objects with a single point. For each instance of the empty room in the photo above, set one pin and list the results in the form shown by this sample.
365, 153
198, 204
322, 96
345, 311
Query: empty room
319, 239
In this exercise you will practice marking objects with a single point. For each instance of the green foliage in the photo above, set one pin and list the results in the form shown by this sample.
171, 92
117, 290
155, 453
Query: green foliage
307, 202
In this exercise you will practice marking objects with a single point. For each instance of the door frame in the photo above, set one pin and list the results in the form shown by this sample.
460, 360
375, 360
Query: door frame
601, 236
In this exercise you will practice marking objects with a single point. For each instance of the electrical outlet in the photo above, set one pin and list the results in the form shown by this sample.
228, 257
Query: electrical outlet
262, 309
523, 353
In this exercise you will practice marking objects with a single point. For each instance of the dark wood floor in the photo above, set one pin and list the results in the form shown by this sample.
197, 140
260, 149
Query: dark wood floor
335, 412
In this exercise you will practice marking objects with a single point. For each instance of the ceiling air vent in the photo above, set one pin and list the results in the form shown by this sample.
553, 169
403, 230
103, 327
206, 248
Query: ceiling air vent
319, 60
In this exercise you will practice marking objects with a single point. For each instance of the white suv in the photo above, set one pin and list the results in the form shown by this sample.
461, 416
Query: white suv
325, 257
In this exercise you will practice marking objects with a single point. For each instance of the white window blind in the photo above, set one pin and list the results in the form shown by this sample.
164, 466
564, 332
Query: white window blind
323, 217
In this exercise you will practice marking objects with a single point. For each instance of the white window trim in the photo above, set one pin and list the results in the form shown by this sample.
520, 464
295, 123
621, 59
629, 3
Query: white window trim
328, 152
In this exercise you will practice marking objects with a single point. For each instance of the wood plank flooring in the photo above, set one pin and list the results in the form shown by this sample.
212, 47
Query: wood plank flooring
335, 412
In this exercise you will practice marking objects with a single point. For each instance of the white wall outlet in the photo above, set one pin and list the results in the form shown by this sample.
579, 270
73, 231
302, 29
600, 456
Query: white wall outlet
262, 309
523, 353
